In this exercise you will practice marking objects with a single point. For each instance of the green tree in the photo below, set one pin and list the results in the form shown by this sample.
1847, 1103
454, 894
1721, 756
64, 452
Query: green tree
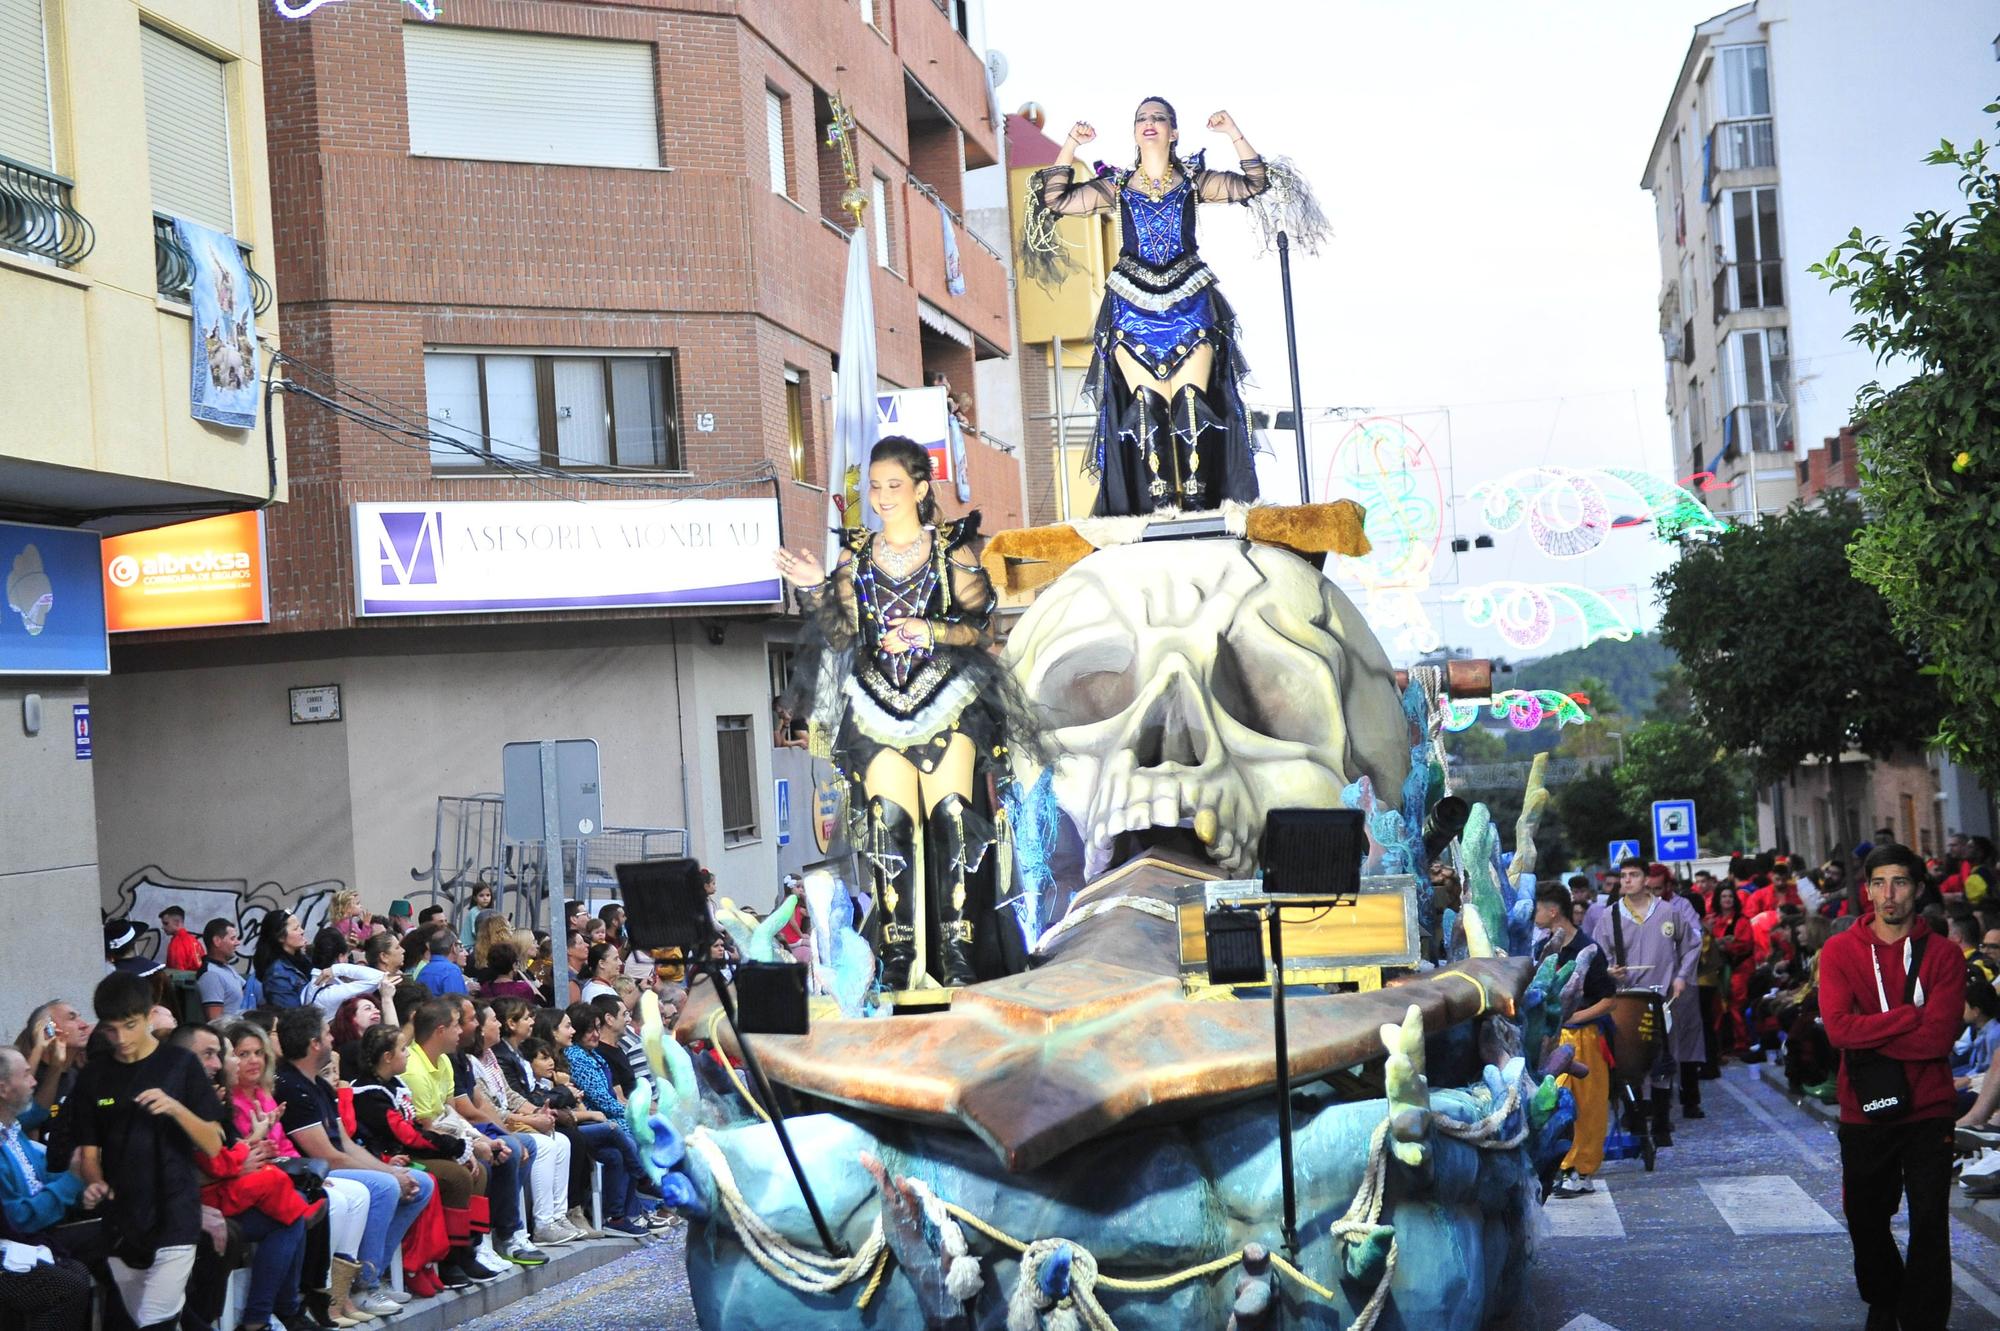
1598, 738
1779, 697
1590, 816
1930, 448
1680, 760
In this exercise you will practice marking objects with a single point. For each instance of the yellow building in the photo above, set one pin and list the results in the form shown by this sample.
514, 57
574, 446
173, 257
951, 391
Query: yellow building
114, 118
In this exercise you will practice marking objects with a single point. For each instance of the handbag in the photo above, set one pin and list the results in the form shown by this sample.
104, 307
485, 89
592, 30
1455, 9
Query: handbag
1881, 1085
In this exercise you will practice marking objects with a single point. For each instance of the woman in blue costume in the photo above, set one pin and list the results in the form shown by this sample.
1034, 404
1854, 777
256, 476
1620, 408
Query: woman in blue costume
1167, 373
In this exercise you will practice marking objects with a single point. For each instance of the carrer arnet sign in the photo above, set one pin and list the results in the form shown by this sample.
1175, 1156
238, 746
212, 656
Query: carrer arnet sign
471, 558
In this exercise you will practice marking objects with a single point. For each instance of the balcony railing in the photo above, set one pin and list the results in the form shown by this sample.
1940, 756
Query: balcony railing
1738, 145
173, 270
36, 216
1748, 286
1756, 427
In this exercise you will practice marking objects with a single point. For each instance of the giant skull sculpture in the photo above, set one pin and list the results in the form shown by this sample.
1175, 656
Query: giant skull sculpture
1200, 683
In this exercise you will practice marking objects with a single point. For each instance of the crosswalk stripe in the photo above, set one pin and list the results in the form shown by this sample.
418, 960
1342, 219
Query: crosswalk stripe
1591, 1216
1585, 1322
1768, 1204
1978, 1292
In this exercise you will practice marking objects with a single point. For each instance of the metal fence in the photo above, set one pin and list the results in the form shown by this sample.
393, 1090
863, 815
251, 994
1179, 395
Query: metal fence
470, 847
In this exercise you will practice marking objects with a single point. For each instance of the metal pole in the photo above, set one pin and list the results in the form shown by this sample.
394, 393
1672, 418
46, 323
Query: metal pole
756, 1070
1291, 1231
1062, 427
552, 874
1292, 355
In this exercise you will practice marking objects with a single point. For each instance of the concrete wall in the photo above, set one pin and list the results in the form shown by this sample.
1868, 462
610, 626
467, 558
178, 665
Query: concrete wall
51, 944
207, 779
1861, 92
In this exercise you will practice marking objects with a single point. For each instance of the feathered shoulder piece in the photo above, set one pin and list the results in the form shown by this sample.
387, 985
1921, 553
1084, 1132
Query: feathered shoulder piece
959, 532
1288, 205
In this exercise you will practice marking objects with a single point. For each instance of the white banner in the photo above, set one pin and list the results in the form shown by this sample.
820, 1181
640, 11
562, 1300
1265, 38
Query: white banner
471, 558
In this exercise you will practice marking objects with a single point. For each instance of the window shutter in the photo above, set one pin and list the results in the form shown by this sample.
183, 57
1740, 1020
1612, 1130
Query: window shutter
878, 194
24, 85
522, 97
187, 132
774, 138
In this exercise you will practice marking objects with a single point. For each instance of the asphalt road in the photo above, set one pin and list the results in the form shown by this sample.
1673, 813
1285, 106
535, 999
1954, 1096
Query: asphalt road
1738, 1226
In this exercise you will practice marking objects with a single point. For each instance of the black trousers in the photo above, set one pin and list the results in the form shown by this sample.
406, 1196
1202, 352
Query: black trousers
1880, 1165
50, 1297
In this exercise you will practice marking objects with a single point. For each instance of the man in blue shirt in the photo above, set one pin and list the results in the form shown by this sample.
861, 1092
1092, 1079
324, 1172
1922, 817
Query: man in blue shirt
1982, 1006
443, 973
33, 1198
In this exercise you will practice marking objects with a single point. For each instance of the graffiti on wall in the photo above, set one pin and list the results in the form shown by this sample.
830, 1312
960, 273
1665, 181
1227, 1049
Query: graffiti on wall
146, 892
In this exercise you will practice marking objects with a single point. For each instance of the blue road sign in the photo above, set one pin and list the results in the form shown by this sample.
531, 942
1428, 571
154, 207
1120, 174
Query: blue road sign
1623, 850
784, 812
1674, 838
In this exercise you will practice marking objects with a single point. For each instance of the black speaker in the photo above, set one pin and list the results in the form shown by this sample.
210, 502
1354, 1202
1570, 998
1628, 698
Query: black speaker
771, 998
1313, 850
665, 905
1443, 824
1235, 946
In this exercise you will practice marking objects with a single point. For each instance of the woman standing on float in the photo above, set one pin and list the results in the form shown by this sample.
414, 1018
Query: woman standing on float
1167, 374
909, 703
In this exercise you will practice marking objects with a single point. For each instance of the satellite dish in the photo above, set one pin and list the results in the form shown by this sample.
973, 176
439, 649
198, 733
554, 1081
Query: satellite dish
996, 68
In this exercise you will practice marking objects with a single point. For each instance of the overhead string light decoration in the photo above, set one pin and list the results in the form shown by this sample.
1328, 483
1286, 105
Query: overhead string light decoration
1570, 512
1524, 709
1525, 613
1387, 468
426, 9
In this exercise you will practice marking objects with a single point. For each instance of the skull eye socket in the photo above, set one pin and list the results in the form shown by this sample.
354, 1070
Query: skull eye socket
1286, 707
1089, 683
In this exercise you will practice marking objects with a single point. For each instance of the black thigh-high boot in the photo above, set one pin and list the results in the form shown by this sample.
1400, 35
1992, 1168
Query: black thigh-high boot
1198, 447
958, 841
1134, 480
893, 850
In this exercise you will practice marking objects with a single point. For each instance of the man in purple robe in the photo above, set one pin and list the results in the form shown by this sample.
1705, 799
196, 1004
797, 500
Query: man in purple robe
1654, 942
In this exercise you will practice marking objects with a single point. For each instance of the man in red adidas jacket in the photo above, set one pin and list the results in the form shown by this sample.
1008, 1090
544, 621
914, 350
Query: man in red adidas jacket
1862, 1001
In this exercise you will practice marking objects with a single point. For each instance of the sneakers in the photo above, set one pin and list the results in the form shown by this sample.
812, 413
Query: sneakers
661, 1221
554, 1233
479, 1272
1572, 1184
522, 1253
376, 1302
1975, 1139
579, 1222
452, 1276
422, 1284
621, 1228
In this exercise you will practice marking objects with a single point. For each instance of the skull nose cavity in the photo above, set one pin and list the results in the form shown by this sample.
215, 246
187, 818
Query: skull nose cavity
1174, 729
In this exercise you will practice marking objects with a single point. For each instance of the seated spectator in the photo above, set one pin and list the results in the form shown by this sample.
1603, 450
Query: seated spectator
443, 973
216, 981
601, 966
335, 981
503, 977
32, 1196
121, 950
386, 1125
280, 963
384, 952
184, 950
609, 1138
354, 1019
548, 1152
394, 1195
400, 911
612, 917
137, 1117
492, 928
1982, 1005
344, 913
484, 898
43, 1291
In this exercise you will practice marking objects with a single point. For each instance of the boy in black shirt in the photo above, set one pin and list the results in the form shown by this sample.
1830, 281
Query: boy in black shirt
137, 1119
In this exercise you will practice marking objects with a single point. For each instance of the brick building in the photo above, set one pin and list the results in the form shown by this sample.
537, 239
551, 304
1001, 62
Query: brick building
605, 241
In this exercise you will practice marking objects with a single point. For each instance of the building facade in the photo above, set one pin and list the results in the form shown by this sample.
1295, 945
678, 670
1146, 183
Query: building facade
562, 296
116, 117
1767, 156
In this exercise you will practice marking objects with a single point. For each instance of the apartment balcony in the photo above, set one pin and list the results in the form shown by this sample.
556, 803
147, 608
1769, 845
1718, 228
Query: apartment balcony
1749, 286
983, 307
1737, 145
951, 72
1756, 427
174, 270
36, 216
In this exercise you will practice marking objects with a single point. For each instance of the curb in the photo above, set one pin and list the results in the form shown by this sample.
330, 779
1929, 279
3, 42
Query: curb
1983, 1216
565, 1263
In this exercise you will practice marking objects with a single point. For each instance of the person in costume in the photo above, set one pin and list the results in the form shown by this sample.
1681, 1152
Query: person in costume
1655, 943
912, 708
1582, 1030
1167, 372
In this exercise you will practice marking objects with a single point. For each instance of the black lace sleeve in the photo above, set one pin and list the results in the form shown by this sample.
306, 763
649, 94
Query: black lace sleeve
968, 617
1053, 194
1233, 186
831, 628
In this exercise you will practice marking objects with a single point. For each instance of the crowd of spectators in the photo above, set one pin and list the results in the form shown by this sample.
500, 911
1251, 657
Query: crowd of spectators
322, 1132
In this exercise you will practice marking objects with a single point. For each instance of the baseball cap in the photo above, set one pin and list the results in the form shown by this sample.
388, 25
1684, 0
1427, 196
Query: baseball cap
119, 933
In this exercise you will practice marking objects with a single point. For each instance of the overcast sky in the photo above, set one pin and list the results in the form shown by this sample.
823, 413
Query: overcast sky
1494, 256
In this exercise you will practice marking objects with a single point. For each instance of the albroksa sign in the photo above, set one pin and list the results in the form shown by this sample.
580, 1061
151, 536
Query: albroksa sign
467, 558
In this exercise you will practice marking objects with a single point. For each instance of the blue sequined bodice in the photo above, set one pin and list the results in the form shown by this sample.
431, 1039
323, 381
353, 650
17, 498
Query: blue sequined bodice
1157, 227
